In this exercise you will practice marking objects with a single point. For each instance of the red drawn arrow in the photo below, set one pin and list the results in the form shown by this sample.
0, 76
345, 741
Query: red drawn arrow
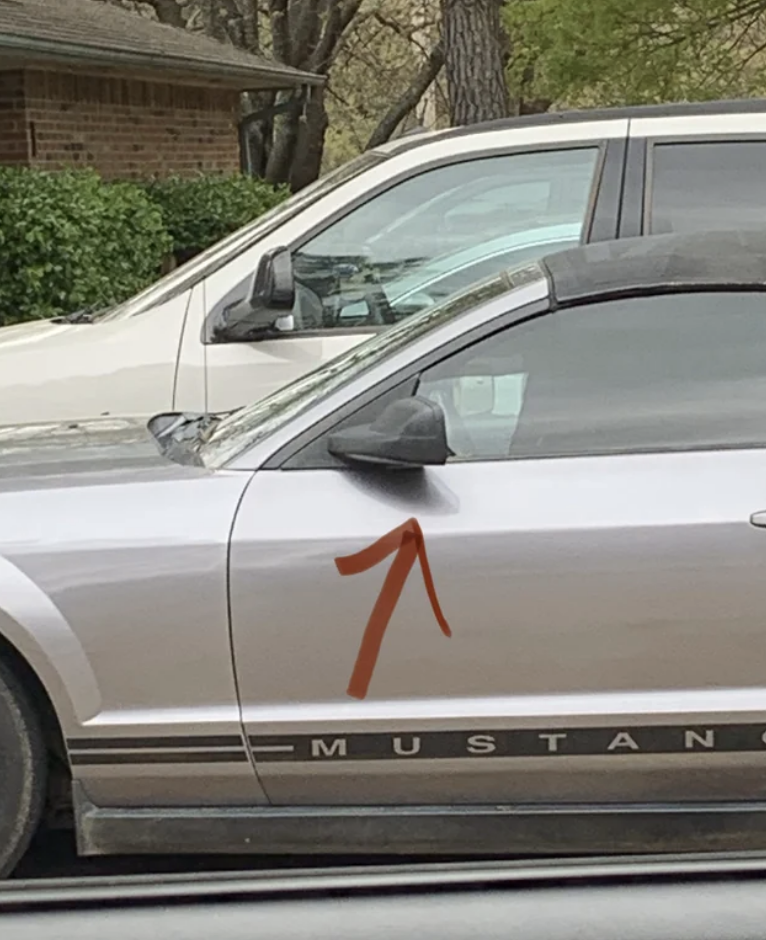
408, 542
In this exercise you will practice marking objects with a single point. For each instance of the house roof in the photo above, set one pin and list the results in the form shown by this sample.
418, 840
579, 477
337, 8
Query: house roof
89, 32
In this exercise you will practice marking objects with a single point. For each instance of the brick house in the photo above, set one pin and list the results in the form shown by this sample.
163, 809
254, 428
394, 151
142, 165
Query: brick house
83, 83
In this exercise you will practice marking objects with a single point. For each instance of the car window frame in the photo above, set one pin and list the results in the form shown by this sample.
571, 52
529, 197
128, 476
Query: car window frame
650, 144
609, 162
407, 380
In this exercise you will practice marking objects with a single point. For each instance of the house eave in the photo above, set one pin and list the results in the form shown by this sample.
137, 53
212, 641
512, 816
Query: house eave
169, 67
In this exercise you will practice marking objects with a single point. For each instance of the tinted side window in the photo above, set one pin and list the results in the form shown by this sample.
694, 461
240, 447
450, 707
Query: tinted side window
700, 186
390, 256
674, 372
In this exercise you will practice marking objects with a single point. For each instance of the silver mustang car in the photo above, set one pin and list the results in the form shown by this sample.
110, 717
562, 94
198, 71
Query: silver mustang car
493, 581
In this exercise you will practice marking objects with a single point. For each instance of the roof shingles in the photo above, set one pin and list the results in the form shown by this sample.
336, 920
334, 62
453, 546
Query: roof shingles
94, 30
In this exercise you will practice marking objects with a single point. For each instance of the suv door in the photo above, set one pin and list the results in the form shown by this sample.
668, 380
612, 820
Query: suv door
421, 235
689, 174
594, 630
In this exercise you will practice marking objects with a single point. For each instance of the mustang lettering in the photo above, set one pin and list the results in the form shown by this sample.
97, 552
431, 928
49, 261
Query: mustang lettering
561, 742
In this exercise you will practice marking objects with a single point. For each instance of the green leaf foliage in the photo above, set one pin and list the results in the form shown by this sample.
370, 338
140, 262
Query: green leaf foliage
613, 52
202, 210
68, 240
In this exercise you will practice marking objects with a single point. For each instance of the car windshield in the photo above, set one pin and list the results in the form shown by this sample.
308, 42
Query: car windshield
223, 251
242, 429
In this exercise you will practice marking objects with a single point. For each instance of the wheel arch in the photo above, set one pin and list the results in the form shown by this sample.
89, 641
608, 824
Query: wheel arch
40, 633
38, 696
58, 808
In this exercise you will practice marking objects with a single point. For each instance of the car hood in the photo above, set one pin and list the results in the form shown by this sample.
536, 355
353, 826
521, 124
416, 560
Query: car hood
60, 453
36, 331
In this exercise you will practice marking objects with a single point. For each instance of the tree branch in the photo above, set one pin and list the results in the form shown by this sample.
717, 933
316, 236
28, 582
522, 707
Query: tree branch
168, 12
400, 109
280, 30
341, 15
307, 31
407, 33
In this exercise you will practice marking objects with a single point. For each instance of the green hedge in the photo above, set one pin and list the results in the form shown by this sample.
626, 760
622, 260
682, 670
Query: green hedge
70, 240
201, 211
67, 240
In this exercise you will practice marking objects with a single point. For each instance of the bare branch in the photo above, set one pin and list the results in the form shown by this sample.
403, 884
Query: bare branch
280, 30
408, 33
341, 15
400, 109
307, 31
169, 12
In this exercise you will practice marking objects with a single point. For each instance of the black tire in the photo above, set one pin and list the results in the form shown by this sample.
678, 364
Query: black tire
23, 771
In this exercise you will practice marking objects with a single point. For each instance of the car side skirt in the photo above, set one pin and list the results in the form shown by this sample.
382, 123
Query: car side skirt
423, 830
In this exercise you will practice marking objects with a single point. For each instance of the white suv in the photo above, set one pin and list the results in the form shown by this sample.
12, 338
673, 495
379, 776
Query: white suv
384, 235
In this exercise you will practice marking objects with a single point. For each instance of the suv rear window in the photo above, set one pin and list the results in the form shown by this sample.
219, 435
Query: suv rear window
702, 186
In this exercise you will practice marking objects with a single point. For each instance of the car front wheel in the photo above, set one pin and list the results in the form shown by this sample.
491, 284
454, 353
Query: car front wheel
23, 771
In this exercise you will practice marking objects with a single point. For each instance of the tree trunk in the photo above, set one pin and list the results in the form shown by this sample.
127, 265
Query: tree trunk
250, 27
285, 143
298, 147
474, 51
305, 34
309, 149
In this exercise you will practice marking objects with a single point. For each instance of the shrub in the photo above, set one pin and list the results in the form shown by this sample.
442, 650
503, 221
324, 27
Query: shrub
69, 240
200, 211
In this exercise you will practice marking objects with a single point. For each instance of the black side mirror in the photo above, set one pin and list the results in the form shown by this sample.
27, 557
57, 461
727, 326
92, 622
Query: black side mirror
274, 282
410, 433
270, 299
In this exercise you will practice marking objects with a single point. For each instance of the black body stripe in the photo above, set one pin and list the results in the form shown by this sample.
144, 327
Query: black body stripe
103, 744
631, 740
623, 740
155, 757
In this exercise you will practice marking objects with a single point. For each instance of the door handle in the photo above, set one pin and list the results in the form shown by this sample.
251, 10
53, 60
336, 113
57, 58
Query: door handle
759, 519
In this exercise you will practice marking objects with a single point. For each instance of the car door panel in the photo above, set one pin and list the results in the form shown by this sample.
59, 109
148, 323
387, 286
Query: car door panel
243, 372
589, 597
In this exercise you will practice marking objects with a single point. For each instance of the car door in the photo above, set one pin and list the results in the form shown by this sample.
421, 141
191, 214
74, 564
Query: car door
594, 630
354, 267
695, 173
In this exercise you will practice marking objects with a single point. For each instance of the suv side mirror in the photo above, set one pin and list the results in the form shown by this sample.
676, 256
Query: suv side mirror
274, 283
410, 433
269, 301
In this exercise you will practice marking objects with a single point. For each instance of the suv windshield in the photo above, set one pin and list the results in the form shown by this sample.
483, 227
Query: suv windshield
223, 251
247, 426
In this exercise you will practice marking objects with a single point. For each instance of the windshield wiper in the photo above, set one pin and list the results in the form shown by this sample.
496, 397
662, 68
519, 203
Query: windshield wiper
181, 426
185, 431
84, 315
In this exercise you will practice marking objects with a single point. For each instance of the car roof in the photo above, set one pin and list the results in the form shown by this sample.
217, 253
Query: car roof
733, 260
670, 110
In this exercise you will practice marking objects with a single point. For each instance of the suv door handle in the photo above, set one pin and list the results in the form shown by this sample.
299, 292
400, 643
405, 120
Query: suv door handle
759, 519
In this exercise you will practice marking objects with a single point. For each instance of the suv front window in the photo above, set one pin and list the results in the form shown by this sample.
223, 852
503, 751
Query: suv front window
435, 233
